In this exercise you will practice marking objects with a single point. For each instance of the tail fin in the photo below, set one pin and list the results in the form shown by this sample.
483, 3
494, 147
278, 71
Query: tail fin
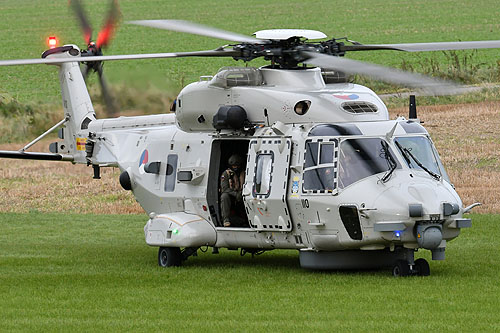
78, 108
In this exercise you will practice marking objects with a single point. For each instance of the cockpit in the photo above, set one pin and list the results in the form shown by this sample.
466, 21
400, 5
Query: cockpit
335, 163
362, 158
420, 154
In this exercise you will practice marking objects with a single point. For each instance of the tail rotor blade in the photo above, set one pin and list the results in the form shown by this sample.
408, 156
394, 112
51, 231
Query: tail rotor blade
106, 34
82, 17
111, 107
85, 71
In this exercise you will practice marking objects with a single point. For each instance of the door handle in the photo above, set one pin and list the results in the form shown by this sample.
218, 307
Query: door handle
246, 191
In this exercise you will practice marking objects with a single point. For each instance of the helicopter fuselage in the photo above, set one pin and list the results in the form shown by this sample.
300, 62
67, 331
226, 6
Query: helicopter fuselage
326, 171
335, 180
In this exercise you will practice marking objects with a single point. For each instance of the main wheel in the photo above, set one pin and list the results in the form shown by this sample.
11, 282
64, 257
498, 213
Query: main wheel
169, 256
401, 268
422, 267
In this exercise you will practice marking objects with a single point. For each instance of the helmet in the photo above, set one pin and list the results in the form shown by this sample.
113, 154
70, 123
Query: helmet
235, 160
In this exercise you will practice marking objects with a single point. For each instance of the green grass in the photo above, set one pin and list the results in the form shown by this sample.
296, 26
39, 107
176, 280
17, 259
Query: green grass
94, 272
25, 25
148, 86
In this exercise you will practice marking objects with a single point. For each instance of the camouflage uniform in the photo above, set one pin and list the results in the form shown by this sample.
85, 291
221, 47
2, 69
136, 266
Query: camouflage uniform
231, 185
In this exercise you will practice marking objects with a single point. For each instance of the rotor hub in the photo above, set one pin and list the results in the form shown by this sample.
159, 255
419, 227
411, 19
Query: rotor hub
287, 53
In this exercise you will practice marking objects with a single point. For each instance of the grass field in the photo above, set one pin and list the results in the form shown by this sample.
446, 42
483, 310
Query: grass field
94, 273
471, 156
25, 25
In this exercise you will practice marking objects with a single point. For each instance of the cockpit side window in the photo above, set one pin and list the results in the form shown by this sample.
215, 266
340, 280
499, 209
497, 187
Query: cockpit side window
320, 166
361, 158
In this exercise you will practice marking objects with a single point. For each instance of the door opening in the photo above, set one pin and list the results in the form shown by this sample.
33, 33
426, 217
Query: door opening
222, 150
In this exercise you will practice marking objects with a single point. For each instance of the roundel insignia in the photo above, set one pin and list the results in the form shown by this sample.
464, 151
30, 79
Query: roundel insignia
350, 97
144, 157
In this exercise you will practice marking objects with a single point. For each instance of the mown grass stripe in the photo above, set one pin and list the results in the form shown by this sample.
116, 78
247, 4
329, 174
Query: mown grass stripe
94, 272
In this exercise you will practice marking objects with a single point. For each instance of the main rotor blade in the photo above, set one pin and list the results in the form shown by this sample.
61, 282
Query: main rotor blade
211, 53
391, 75
106, 34
417, 47
82, 17
197, 29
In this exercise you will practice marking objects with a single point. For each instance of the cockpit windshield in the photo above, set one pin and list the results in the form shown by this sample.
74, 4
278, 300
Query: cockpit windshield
361, 158
419, 153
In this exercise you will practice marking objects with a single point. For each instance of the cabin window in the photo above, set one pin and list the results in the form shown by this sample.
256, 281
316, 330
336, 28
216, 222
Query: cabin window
361, 158
311, 154
320, 166
263, 174
170, 172
302, 107
326, 153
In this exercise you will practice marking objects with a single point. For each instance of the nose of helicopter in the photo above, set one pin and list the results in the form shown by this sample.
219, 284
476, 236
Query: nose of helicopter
424, 206
404, 199
422, 192
435, 198
424, 202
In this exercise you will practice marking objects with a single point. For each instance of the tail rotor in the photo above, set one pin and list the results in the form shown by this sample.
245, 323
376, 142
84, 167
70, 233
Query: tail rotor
94, 49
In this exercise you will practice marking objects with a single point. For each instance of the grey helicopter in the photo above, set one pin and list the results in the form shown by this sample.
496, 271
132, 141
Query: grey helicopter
324, 170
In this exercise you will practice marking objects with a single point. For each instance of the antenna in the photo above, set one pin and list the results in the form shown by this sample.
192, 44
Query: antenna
267, 117
413, 107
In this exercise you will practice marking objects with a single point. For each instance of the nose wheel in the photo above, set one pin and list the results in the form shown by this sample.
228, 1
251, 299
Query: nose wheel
403, 268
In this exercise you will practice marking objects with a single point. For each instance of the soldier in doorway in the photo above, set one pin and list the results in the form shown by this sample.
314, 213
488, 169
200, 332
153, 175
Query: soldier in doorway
231, 185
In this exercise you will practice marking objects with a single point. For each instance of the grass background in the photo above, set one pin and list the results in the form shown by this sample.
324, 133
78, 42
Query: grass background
93, 272
25, 25
149, 86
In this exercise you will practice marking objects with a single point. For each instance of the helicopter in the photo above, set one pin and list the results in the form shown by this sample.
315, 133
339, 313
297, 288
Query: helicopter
326, 172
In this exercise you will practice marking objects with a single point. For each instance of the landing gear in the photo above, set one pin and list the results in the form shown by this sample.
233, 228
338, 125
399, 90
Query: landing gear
169, 256
403, 268
173, 256
422, 267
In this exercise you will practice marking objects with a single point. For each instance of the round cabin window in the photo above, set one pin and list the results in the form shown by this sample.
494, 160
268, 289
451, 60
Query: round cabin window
302, 107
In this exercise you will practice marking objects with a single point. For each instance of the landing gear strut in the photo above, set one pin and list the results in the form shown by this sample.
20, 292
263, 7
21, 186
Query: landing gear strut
173, 256
403, 268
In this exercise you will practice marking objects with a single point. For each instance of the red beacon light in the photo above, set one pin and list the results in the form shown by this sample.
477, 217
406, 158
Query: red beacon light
52, 42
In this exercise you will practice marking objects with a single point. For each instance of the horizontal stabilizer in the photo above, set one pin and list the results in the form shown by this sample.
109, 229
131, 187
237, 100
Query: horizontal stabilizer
35, 156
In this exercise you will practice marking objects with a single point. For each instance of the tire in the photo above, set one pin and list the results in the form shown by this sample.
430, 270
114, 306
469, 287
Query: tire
401, 268
169, 256
422, 267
